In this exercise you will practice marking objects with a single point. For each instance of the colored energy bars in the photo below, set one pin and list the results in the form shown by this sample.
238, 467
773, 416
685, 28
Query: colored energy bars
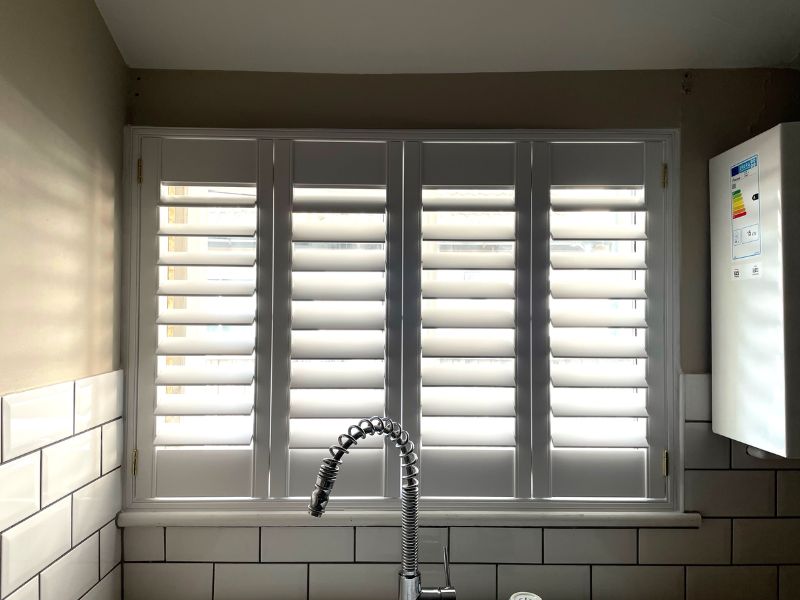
738, 204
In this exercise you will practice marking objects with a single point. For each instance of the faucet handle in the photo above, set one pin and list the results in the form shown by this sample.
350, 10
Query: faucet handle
446, 551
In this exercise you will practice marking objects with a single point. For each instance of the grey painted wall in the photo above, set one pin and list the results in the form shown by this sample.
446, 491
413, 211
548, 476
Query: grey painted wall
62, 101
713, 109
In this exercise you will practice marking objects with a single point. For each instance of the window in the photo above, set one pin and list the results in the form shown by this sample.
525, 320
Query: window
507, 297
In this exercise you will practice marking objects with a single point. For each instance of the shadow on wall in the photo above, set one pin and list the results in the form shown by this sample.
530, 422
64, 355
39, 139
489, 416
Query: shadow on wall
62, 106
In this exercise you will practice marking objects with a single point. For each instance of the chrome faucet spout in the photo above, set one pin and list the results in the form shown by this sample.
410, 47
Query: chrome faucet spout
410, 585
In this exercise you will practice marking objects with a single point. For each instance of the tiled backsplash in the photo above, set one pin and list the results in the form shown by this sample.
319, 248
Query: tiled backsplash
742, 550
60, 490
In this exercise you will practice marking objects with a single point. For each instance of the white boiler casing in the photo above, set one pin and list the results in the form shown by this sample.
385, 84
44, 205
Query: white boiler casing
755, 291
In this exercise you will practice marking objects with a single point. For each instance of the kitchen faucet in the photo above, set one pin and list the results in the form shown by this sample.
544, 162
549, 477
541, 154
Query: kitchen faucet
410, 582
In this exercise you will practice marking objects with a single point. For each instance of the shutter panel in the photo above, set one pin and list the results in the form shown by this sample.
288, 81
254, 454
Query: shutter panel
468, 352
198, 270
598, 326
338, 309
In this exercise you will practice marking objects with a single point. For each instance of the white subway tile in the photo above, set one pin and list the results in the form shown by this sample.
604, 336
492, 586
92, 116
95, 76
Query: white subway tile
495, 545
260, 582
789, 494
212, 544
19, 489
68, 465
96, 504
112, 445
382, 544
29, 591
30, 546
110, 548
168, 581
472, 582
352, 581
766, 541
709, 544
551, 582
634, 583
730, 493
307, 544
704, 449
109, 588
35, 418
594, 546
72, 575
143, 544
731, 583
97, 399
696, 393
789, 583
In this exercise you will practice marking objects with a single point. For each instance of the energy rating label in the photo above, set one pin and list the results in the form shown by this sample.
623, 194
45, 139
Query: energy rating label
745, 209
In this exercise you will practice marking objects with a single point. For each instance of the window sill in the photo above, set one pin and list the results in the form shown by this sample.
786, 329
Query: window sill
212, 518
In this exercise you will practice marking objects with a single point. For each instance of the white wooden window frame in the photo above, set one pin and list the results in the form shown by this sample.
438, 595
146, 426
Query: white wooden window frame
531, 145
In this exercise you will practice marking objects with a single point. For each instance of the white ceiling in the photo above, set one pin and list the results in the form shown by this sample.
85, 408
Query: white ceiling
453, 36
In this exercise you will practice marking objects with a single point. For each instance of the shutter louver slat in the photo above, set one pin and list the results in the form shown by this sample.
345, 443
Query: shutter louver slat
337, 315
497, 343
197, 376
577, 343
466, 260
600, 290
468, 401
596, 232
204, 347
332, 403
468, 313
206, 288
205, 317
345, 200
337, 286
337, 344
317, 227
467, 289
602, 316
207, 229
203, 407
591, 198
208, 259
309, 259
579, 260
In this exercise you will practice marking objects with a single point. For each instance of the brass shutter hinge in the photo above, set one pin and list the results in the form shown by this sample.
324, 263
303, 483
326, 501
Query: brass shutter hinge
139, 170
134, 461
664, 175
665, 464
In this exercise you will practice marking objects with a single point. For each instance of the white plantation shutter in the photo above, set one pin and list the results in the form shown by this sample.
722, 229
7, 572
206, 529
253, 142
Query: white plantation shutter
604, 221
468, 323
199, 262
337, 294
507, 299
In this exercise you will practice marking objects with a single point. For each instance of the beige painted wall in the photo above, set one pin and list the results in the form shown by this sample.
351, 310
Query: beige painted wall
62, 111
713, 109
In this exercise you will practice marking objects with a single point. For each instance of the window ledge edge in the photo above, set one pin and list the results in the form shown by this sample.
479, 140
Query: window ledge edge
430, 518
